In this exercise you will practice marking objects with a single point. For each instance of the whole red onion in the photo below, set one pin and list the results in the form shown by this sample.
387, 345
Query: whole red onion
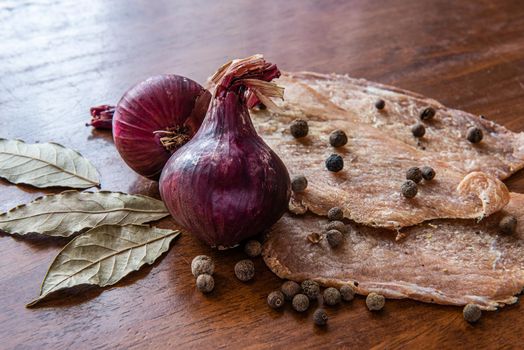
226, 184
154, 118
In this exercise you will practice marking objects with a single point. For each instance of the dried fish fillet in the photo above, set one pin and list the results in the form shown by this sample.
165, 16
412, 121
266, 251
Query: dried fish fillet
501, 153
368, 188
451, 262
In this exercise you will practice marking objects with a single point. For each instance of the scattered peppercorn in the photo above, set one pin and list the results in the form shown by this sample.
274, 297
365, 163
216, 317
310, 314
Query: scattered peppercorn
428, 173
299, 183
418, 130
336, 225
275, 299
335, 213
202, 264
334, 163
508, 224
300, 302
299, 128
474, 135
311, 289
409, 189
253, 248
320, 317
290, 289
338, 138
245, 270
427, 113
375, 301
331, 296
380, 104
347, 292
471, 313
205, 283
334, 238
414, 174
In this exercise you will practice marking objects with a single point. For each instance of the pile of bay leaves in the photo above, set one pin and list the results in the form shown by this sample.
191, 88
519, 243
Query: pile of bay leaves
109, 238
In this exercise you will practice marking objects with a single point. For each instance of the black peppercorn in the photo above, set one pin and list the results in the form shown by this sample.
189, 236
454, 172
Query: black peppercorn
375, 301
320, 317
311, 289
334, 163
290, 289
205, 283
336, 225
253, 248
245, 270
471, 313
338, 138
334, 238
380, 104
347, 292
299, 128
475, 135
331, 296
508, 224
299, 183
418, 130
414, 174
275, 299
300, 302
428, 173
409, 189
335, 213
202, 264
427, 113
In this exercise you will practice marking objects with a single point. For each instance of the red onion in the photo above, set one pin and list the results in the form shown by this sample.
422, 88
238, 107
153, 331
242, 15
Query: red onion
226, 184
154, 118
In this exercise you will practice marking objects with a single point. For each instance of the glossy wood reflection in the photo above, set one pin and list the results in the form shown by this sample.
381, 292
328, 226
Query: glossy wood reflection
58, 58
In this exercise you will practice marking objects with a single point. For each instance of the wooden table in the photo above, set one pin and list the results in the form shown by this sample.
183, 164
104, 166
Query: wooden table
58, 58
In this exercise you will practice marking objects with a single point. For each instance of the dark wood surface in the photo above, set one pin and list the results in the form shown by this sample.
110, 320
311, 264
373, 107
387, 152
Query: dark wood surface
58, 58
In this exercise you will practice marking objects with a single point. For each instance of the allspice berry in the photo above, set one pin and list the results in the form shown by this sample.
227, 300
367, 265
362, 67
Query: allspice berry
334, 238
427, 173
414, 174
253, 248
508, 224
311, 289
202, 264
336, 225
331, 296
335, 213
205, 283
245, 270
275, 299
409, 189
375, 301
338, 138
347, 292
290, 289
299, 128
320, 317
418, 130
298, 183
474, 135
472, 313
300, 302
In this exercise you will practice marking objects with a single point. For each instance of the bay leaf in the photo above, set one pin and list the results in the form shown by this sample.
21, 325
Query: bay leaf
104, 255
71, 211
45, 165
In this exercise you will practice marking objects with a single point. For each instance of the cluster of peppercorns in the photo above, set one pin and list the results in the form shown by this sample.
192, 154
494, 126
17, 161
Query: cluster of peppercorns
202, 267
299, 128
304, 294
414, 175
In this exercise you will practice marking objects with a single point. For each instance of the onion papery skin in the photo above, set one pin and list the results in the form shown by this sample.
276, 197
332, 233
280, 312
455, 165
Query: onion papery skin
160, 103
226, 184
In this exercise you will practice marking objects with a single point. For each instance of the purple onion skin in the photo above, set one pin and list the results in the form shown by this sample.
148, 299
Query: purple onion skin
159, 103
226, 184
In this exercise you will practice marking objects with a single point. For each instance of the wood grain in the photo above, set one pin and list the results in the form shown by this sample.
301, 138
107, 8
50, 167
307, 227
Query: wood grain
58, 58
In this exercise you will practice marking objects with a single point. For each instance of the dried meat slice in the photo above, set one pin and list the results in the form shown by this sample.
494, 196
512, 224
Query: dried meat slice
368, 188
451, 262
501, 152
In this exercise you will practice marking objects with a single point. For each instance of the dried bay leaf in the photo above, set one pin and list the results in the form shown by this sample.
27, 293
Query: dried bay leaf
45, 165
104, 255
69, 212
